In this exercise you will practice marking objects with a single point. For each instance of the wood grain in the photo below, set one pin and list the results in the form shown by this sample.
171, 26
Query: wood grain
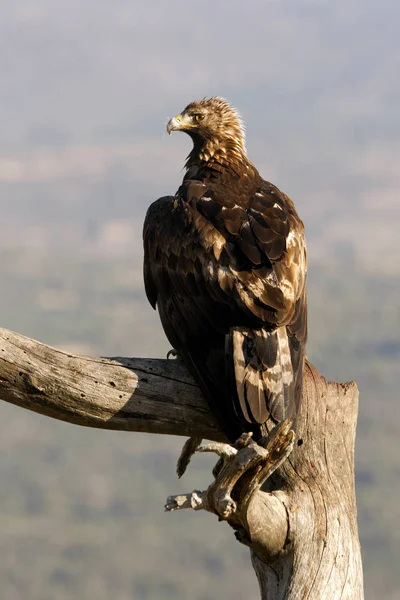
131, 394
301, 526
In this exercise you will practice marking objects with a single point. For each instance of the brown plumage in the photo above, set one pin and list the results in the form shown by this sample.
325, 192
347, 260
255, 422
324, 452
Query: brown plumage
225, 264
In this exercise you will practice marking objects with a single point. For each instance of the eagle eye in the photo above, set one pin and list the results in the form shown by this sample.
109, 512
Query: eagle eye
198, 117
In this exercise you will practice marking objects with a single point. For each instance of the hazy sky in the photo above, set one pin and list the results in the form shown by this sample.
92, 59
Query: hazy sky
87, 86
91, 70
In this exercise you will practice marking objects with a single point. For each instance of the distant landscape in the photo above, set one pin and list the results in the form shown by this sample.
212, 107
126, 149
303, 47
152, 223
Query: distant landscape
86, 89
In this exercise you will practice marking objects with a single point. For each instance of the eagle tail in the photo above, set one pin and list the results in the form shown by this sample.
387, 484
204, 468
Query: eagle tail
262, 375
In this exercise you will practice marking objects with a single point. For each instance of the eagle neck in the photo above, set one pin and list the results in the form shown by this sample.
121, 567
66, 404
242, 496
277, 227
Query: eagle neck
217, 155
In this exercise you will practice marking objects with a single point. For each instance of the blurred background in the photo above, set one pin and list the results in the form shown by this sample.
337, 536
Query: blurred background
86, 87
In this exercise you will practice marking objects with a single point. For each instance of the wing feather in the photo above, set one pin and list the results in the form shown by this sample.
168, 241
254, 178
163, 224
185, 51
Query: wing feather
227, 272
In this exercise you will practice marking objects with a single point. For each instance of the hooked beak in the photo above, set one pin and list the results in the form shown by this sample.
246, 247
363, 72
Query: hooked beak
175, 123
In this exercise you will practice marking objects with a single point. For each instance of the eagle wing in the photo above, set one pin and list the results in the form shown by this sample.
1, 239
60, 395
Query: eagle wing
228, 276
265, 241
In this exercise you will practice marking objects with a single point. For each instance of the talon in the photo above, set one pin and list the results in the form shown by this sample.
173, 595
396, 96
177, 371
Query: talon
172, 354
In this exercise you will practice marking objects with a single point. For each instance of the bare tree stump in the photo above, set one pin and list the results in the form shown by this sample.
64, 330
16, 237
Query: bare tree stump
291, 501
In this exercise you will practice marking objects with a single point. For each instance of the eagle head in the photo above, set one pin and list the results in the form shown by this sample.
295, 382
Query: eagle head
214, 125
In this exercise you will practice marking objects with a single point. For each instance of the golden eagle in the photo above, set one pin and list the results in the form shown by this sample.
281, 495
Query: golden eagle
225, 264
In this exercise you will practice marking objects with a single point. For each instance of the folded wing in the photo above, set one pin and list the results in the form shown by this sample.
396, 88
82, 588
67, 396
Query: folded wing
228, 275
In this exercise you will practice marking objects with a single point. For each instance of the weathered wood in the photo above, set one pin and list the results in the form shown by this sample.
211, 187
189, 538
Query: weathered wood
301, 526
131, 394
259, 518
316, 485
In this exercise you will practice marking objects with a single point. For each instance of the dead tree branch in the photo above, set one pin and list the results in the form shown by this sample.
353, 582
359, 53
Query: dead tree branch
296, 510
131, 394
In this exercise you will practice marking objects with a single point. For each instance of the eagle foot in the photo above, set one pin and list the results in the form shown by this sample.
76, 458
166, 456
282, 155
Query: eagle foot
172, 354
239, 474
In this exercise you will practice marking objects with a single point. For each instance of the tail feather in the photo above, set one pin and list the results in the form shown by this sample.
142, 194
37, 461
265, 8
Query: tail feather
263, 375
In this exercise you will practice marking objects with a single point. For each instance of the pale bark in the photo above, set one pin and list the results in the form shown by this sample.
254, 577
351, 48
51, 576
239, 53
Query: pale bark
301, 527
132, 394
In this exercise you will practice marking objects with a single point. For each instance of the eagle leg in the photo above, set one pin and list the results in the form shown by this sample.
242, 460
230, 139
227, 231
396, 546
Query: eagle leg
243, 468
